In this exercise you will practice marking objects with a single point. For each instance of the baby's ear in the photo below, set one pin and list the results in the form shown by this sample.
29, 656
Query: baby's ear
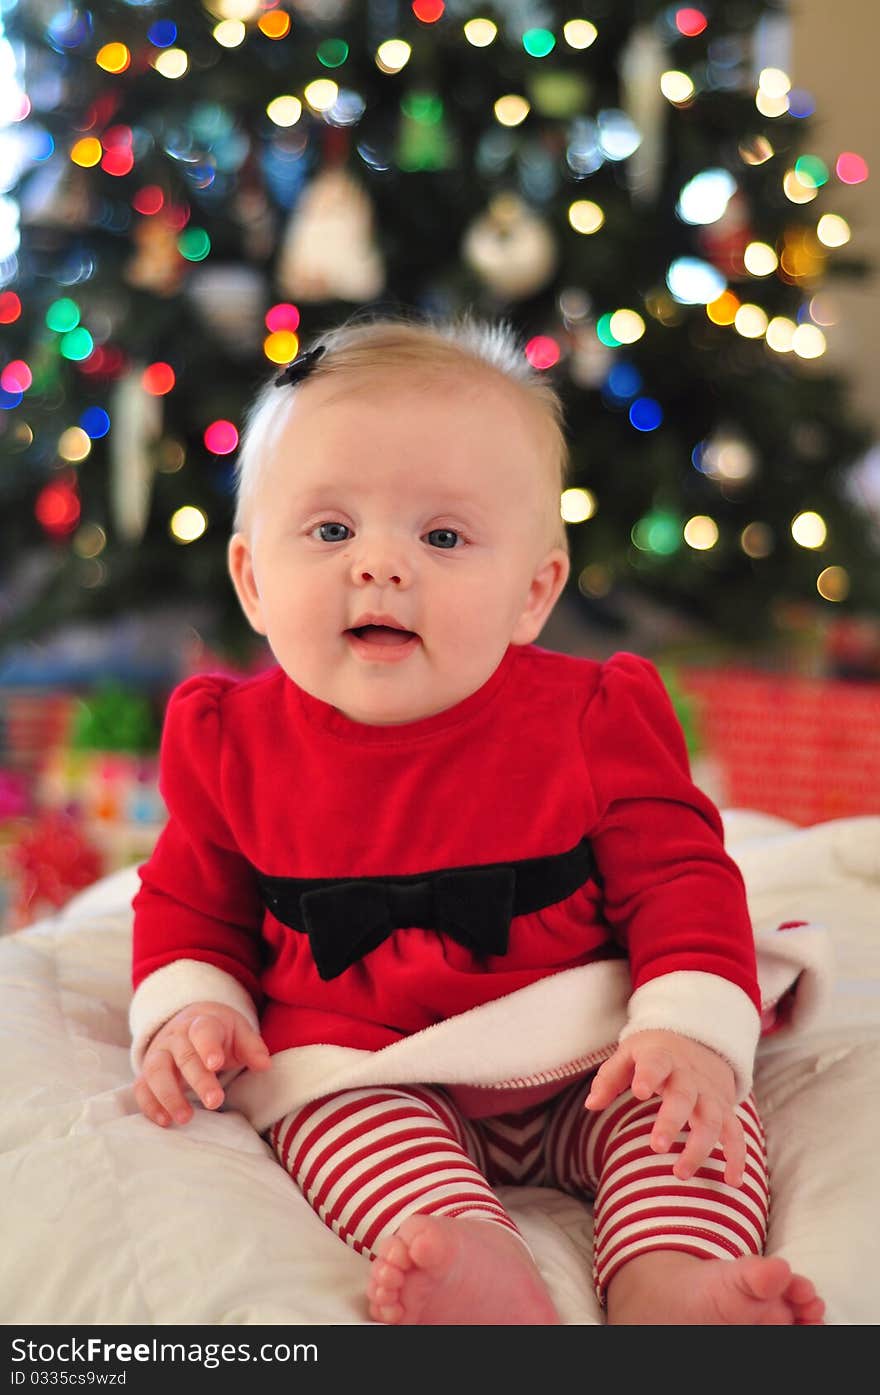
241, 569
544, 592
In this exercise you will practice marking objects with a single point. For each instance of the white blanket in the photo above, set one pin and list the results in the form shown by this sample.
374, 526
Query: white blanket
107, 1219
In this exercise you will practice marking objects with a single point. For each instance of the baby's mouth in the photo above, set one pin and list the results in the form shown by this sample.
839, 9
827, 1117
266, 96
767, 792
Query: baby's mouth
384, 635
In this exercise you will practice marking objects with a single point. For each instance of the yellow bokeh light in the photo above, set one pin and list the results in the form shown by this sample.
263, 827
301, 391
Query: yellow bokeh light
750, 321
229, 33
285, 110
626, 326
321, 94
770, 106
757, 150
780, 332
774, 82
393, 55
113, 58
795, 189
760, 259
89, 540
701, 532
281, 346
87, 152
480, 32
723, 310
275, 24
756, 540
187, 523
833, 584
233, 9
808, 529
511, 110
579, 33
74, 444
833, 230
585, 216
577, 505
171, 62
676, 87
808, 341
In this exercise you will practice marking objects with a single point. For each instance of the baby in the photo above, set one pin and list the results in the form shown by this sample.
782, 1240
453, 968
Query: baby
420, 829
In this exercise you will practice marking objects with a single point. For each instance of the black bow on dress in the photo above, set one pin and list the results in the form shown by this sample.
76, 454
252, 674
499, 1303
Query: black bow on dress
472, 906
345, 918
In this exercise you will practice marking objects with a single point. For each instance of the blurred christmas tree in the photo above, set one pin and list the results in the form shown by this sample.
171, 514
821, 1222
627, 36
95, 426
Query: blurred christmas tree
203, 184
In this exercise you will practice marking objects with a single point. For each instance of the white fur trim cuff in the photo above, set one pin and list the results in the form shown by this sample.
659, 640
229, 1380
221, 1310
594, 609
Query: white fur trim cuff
708, 1009
176, 986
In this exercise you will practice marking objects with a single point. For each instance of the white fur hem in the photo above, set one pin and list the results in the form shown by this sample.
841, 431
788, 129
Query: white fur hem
174, 987
559, 1027
708, 1009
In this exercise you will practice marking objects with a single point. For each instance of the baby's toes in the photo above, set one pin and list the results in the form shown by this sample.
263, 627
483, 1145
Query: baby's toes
809, 1314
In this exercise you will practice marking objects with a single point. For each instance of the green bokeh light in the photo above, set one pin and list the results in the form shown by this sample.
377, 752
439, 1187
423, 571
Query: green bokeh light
811, 170
332, 53
77, 344
658, 532
194, 244
603, 332
62, 315
538, 42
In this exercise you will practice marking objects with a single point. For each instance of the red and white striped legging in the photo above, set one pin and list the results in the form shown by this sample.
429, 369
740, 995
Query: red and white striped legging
366, 1159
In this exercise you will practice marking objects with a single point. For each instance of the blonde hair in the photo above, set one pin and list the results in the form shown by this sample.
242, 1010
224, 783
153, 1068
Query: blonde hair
373, 344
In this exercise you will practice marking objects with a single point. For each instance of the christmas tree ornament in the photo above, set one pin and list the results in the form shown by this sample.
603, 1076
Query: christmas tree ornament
329, 251
724, 242
157, 264
58, 196
590, 359
642, 62
230, 299
510, 248
137, 425
423, 138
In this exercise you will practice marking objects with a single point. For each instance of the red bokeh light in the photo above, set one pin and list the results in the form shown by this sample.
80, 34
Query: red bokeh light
118, 161
542, 351
221, 437
149, 199
282, 317
16, 376
428, 11
158, 379
58, 508
690, 22
10, 307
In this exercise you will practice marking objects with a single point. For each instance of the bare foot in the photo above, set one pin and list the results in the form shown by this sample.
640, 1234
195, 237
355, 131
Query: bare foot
666, 1287
439, 1270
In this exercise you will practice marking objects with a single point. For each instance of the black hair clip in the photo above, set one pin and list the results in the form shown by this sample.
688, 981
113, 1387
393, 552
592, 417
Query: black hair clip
300, 368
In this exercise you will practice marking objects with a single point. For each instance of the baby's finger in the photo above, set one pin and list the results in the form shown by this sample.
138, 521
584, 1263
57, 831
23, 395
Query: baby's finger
677, 1107
208, 1036
148, 1104
161, 1075
733, 1141
610, 1080
705, 1127
204, 1082
652, 1070
250, 1048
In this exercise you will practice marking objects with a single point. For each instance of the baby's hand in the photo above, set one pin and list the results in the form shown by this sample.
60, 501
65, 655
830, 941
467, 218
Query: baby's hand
697, 1087
188, 1050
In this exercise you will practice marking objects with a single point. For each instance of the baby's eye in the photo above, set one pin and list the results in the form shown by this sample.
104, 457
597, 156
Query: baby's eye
332, 532
443, 537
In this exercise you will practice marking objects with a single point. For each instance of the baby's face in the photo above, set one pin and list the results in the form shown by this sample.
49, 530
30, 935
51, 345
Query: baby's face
399, 538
